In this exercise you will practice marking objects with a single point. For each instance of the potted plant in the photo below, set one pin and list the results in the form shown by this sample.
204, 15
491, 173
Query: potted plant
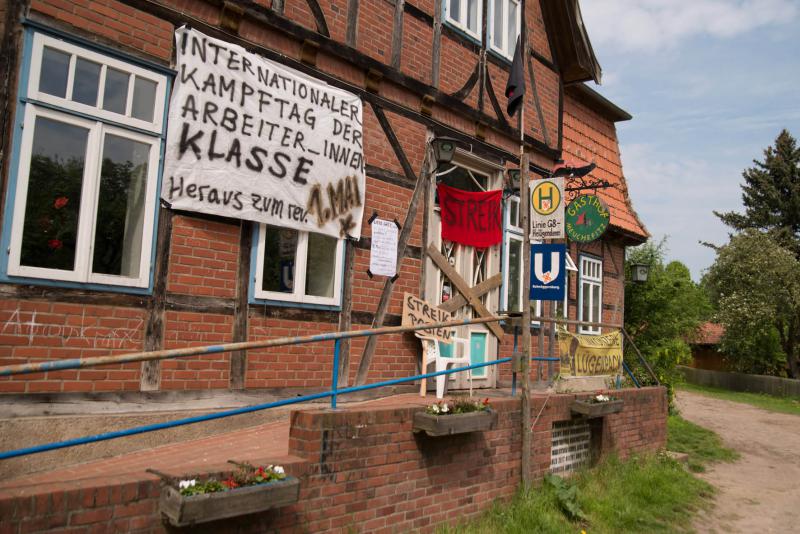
455, 417
249, 490
597, 406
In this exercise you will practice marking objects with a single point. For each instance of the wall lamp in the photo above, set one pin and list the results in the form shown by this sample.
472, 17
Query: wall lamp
443, 149
639, 272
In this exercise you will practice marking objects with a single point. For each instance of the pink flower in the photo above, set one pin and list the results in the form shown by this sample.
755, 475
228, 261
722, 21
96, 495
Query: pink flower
60, 202
55, 244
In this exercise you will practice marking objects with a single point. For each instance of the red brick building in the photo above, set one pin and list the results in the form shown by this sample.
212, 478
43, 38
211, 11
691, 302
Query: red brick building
92, 267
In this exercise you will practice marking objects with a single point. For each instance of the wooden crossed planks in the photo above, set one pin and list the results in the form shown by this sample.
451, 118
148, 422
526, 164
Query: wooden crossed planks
471, 295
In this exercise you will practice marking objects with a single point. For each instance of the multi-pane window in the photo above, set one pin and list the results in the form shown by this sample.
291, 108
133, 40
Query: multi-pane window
504, 22
85, 192
590, 293
504, 25
516, 292
465, 15
295, 266
562, 306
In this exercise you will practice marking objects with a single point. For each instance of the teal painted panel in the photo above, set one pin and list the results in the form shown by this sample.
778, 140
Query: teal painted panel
477, 352
446, 350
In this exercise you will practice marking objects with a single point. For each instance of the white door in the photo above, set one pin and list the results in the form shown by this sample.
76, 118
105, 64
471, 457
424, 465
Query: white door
474, 265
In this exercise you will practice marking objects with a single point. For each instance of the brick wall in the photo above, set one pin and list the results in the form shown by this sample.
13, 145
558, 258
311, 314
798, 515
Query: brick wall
40, 330
112, 21
363, 470
203, 258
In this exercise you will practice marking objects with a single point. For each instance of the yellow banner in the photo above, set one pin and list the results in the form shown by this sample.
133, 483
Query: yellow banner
584, 355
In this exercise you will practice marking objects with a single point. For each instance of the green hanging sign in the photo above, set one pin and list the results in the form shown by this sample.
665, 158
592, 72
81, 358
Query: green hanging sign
587, 218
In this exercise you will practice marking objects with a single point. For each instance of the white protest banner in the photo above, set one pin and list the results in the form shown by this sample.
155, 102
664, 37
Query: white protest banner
547, 208
416, 312
383, 252
252, 139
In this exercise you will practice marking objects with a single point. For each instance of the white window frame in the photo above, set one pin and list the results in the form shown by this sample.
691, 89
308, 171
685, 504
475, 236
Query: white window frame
298, 291
514, 232
570, 269
40, 41
590, 274
462, 24
507, 49
99, 124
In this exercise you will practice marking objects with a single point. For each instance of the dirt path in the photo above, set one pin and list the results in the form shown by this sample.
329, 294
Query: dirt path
760, 492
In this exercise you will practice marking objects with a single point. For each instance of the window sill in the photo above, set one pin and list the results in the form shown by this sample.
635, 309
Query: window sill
461, 35
293, 304
22, 280
499, 58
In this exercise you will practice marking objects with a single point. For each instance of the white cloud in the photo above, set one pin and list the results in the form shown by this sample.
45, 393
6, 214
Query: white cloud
675, 198
654, 25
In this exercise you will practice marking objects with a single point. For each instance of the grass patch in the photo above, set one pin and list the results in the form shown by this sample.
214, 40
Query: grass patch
648, 494
790, 405
702, 445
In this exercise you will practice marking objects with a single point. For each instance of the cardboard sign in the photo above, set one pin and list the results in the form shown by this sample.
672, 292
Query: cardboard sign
547, 209
416, 312
383, 251
252, 139
473, 219
585, 355
548, 272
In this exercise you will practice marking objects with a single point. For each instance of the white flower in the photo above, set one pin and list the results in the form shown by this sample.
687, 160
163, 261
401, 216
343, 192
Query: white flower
445, 409
435, 408
279, 469
187, 483
602, 398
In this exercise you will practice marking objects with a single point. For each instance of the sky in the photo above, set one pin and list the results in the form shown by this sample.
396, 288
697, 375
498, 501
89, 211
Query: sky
710, 85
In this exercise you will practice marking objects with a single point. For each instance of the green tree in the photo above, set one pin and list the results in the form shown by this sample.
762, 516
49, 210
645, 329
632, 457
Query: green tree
755, 283
662, 313
771, 195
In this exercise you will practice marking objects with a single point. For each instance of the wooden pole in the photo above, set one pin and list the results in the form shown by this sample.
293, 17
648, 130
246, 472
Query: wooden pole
402, 240
525, 204
80, 363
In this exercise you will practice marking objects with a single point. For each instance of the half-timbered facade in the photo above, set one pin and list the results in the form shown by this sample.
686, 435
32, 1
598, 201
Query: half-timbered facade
94, 263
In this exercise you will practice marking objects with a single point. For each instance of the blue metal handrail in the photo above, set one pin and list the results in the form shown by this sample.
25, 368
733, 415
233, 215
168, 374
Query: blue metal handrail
228, 413
333, 393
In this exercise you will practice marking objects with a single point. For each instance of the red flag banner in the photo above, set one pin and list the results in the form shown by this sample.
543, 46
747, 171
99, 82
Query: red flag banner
473, 219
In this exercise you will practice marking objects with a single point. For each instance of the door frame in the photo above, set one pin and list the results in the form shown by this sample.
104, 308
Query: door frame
463, 256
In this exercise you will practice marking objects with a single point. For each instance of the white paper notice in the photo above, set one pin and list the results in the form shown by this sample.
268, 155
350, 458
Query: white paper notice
252, 139
383, 254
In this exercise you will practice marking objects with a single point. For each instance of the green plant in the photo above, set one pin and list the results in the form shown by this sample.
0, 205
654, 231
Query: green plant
651, 493
702, 445
457, 406
661, 315
567, 495
246, 475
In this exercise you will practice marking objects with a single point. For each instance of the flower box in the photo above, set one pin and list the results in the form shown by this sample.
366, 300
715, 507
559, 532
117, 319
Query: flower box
596, 409
462, 423
183, 510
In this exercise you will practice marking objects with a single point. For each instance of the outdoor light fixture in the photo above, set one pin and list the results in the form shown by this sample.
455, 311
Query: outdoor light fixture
513, 176
443, 149
639, 272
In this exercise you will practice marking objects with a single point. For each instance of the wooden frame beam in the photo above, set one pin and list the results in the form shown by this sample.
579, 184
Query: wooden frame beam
465, 289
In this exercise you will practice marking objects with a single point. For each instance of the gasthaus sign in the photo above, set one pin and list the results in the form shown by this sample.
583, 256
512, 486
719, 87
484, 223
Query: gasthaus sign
252, 139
